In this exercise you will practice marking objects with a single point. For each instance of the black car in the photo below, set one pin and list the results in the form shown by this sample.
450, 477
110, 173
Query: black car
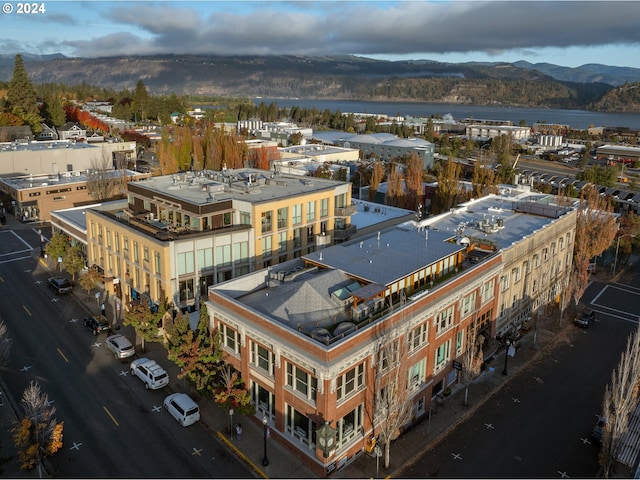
97, 324
585, 318
59, 285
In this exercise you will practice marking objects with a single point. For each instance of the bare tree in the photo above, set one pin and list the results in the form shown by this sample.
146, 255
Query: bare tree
595, 230
620, 400
38, 434
102, 182
376, 179
5, 344
472, 358
392, 404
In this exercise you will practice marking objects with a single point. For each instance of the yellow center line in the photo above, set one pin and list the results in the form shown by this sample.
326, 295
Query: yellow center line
111, 416
62, 355
27, 310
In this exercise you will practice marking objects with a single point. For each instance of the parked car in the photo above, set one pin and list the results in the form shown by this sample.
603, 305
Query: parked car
120, 346
152, 374
182, 408
596, 433
59, 285
97, 324
585, 318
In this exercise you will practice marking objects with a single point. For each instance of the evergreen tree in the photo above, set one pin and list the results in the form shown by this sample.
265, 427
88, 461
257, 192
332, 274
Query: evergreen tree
21, 96
141, 101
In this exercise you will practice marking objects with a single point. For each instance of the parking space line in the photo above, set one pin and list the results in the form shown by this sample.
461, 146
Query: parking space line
63, 356
27, 310
111, 416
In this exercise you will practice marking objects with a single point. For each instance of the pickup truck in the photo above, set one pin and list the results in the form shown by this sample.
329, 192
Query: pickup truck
152, 374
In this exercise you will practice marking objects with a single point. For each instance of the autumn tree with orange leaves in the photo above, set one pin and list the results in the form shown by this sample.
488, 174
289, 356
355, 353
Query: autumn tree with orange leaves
38, 434
395, 182
414, 180
376, 179
596, 228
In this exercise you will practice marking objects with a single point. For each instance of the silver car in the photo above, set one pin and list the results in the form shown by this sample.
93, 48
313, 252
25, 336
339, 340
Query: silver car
120, 346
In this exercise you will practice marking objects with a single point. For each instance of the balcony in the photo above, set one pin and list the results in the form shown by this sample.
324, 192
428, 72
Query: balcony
345, 211
344, 233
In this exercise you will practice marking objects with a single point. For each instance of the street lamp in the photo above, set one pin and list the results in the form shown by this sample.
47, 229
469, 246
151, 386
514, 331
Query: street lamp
615, 260
506, 356
265, 422
326, 436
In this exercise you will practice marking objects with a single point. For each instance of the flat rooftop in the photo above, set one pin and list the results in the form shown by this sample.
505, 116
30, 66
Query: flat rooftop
247, 184
34, 146
62, 178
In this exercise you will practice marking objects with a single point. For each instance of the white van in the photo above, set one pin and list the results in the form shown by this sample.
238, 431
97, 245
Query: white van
182, 408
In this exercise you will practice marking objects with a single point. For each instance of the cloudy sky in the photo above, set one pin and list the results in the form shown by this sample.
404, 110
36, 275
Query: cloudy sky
569, 33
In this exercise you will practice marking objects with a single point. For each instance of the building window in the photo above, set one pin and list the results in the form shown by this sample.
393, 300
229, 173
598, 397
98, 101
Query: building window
156, 256
324, 207
187, 292
504, 282
126, 244
145, 254
230, 338
205, 258
108, 238
299, 426
444, 320
297, 238
266, 246
267, 224
136, 256
468, 303
515, 273
418, 337
185, 263
350, 382
296, 214
302, 382
245, 218
388, 356
416, 375
442, 356
223, 255
241, 251
311, 211
536, 260
116, 240
282, 242
487, 291
459, 342
545, 254
282, 217
262, 358
349, 426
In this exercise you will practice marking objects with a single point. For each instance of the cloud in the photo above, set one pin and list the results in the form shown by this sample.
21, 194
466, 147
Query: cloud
365, 28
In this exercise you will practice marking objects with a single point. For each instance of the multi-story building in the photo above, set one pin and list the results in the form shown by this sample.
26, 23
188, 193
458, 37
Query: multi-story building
324, 337
182, 233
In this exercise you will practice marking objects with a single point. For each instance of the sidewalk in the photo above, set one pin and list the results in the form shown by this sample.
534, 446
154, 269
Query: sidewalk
433, 427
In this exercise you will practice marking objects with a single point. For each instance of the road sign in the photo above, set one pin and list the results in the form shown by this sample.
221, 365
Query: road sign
457, 365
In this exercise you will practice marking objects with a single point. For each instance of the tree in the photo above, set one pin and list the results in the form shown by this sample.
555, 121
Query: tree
21, 96
231, 393
101, 181
89, 279
414, 189
376, 179
619, 402
446, 193
472, 358
38, 434
392, 403
57, 246
145, 322
73, 261
484, 180
141, 100
196, 352
5, 344
395, 184
595, 230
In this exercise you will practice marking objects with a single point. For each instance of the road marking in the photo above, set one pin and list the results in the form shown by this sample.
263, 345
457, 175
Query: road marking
123, 373
1, 279
563, 474
27, 310
585, 441
50, 402
156, 408
97, 344
489, 426
76, 446
73, 320
197, 452
111, 416
38, 282
456, 456
14, 260
54, 299
25, 368
62, 355
27, 271
516, 400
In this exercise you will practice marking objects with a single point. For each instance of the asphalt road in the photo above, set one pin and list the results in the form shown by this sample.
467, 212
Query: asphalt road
539, 425
113, 426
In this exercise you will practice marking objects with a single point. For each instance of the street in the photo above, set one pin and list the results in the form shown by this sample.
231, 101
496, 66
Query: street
540, 424
113, 426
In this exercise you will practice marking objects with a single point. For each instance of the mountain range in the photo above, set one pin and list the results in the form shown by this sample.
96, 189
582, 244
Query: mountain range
346, 77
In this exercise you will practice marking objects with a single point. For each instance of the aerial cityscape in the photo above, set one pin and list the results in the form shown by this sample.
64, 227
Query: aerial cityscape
319, 239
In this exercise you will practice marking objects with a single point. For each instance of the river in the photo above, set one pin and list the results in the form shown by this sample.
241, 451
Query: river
577, 119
